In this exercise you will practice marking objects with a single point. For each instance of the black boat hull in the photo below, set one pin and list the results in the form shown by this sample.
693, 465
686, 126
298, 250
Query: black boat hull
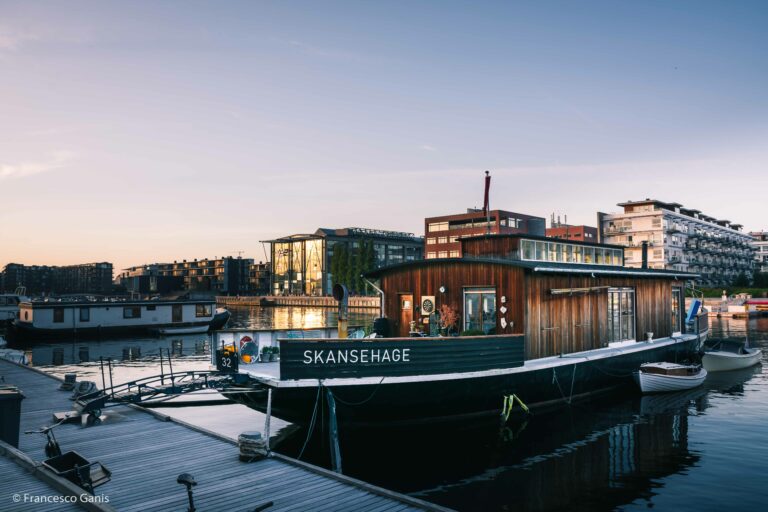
427, 398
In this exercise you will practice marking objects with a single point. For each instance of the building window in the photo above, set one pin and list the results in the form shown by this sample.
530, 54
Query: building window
480, 310
151, 308
442, 254
454, 254
453, 239
438, 226
442, 240
202, 310
431, 255
431, 241
58, 315
132, 312
621, 314
85, 314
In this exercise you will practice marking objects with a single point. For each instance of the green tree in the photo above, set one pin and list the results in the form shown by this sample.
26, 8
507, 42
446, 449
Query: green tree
741, 280
339, 263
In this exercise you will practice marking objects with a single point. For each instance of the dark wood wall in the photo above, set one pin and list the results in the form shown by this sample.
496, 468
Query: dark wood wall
493, 246
455, 276
571, 323
552, 324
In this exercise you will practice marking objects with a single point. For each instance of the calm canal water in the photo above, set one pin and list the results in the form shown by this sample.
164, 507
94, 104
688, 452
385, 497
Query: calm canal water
699, 450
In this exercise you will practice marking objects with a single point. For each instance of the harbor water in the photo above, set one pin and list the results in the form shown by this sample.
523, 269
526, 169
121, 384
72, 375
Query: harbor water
702, 449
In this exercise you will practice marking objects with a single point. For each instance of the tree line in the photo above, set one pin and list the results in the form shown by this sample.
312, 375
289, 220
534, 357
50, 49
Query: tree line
348, 263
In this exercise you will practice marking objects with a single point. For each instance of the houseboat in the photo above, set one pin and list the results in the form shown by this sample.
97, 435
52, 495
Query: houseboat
9, 305
545, 320
64, 319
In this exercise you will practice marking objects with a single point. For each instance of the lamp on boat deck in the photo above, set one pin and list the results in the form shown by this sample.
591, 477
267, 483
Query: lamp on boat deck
341, 295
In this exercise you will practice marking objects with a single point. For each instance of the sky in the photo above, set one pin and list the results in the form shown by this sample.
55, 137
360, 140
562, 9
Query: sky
136, 132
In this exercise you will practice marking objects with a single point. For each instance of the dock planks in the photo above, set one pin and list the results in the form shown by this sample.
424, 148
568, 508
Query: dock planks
147, 451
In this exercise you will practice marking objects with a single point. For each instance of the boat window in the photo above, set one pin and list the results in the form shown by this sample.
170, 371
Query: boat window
621, 314
480, 310
85, 314
528, 249
541, 251
58, 315
132, 312
578, 254
677, 314
203, 310
589, 255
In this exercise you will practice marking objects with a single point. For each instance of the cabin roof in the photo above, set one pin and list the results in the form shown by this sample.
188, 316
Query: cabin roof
544, 267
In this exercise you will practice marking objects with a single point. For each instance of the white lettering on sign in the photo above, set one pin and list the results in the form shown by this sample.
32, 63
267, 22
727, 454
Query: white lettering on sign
357, 356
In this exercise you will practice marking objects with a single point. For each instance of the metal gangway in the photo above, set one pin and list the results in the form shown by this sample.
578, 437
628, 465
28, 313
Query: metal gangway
151, 389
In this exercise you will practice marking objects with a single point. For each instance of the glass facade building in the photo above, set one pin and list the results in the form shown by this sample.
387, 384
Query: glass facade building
301, 264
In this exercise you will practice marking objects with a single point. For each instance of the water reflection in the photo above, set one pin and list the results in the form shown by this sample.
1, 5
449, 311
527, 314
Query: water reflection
295, 317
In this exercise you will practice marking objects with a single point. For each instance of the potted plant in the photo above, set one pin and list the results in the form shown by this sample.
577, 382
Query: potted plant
274, 354
265, 354
448, 319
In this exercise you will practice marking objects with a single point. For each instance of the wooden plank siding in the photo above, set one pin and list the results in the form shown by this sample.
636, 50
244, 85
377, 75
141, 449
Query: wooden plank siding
552, 324
455, 275
572, 323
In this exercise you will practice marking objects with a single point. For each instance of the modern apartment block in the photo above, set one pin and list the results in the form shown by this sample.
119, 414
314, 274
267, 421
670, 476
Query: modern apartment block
259, 278
86, 278
760, 244
222, 276
301, 264
679, 238
442, 234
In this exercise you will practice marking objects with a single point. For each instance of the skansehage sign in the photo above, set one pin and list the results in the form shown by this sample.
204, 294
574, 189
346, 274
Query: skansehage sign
357, 356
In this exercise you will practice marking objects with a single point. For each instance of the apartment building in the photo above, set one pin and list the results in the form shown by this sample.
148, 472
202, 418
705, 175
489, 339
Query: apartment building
679, 238
760, 244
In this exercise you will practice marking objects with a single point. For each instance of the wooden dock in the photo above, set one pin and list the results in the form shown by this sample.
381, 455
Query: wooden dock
146, 451
279, 300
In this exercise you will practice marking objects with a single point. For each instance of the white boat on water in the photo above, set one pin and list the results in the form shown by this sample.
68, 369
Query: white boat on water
731, 356
665, 377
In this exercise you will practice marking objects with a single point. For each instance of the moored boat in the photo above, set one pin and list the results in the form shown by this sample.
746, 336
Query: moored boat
664, 377
91, 318
548, 321
731, 356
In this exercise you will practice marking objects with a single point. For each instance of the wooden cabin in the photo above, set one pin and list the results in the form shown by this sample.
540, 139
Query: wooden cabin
564, 296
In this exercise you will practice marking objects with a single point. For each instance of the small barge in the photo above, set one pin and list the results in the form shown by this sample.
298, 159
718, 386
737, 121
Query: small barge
62, 320
545, 320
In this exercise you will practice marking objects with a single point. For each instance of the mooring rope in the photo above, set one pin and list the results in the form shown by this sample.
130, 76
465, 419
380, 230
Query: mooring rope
311, 427
556, 381
355, 404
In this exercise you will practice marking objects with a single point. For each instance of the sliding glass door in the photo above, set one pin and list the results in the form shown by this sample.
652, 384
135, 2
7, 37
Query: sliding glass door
621, 314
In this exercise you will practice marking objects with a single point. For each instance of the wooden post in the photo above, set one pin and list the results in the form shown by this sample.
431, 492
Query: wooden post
341, 295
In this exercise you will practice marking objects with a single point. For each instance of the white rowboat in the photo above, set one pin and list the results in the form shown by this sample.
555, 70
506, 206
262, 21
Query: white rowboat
727, 360
665, 377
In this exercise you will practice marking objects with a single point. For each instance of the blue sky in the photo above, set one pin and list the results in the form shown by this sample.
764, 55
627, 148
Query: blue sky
142, 131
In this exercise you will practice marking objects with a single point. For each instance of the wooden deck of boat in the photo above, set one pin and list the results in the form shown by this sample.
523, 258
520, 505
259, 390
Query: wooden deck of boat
146, 451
